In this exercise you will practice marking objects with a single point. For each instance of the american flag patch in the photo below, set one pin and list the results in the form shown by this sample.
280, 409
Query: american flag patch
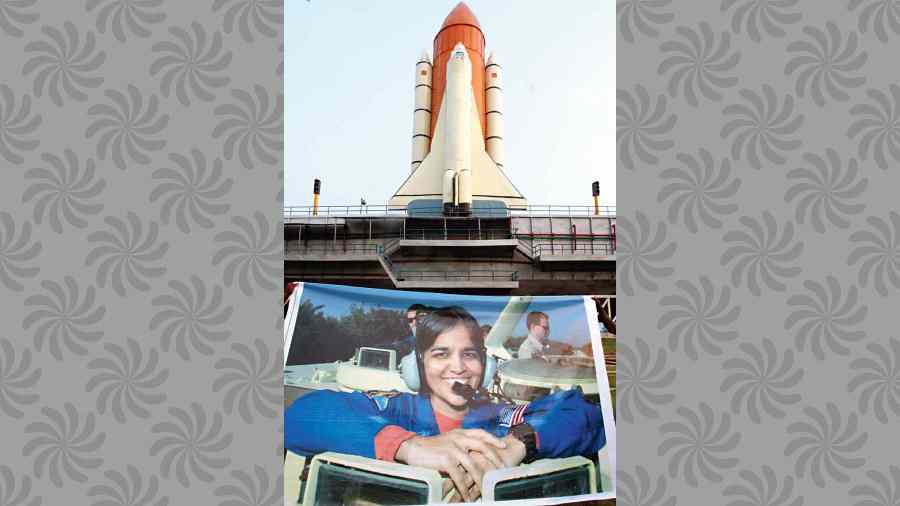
513, 416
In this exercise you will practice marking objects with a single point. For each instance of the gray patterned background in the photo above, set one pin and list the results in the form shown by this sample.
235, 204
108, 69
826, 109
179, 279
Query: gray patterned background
140, 252
759, 257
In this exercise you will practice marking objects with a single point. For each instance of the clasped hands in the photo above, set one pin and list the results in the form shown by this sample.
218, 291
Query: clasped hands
463, 454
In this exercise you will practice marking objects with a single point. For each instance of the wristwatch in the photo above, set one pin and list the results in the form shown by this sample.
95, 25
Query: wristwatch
525, 433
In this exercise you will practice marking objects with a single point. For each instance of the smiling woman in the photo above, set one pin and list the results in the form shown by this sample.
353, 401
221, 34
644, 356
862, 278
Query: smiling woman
442, 427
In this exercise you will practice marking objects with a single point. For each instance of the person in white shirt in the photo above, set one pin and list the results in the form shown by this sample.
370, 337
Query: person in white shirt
537, 342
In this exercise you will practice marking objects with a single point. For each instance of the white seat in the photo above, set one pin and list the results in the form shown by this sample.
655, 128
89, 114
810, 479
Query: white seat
293, 468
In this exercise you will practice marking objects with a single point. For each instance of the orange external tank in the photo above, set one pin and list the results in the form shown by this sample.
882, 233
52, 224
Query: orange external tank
460, 26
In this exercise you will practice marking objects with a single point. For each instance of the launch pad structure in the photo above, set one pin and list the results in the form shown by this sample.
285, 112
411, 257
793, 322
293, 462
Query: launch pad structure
541, 250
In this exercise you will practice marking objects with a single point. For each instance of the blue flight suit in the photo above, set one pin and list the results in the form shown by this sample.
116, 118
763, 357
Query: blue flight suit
403, 346
347, 422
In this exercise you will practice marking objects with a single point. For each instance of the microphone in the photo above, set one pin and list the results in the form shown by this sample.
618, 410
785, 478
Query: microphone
463, 390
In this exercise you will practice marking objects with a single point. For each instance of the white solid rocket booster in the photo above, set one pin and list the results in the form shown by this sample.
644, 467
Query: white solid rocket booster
458, 103
493, 82
421, 139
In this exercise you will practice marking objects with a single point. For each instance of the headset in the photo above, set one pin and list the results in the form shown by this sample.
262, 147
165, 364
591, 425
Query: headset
409, 370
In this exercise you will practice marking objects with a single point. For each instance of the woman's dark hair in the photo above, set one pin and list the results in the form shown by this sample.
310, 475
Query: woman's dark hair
433, 322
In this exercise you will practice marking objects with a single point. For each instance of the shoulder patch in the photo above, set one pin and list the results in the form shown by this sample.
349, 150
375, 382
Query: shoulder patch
381, 398
513, 415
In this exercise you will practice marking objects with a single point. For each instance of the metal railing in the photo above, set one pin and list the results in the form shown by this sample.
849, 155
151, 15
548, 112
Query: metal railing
437, 211
473, 275
584, 248
332, 248
455, 235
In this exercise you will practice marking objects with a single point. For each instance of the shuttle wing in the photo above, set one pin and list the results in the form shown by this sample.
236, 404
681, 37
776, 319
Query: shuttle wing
488, 180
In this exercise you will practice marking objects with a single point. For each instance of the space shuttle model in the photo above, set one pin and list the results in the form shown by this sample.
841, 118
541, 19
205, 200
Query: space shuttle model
457, 143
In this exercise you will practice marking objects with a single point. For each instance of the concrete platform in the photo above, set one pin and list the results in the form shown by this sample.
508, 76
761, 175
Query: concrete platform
503, 248
575, 258
330, 257
460, 285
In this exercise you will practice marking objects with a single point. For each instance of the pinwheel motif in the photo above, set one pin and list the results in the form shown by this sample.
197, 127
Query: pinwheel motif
639, 126
701, 191
642, 14
187, 318
252, 255
878, 127
17, 381
762, 129
127, 490
769, 14
878, 252
126, 254
16, 495
188, 65
879, 16
826, 445
64, 318
188, 445
761, 253
65, 64
190, 192
762, 490
126, 127
17, 253
252, 129
14, 13
252, 382
824, 317
698, 316
136, 15
639, 379
826, 190
127, 382
17, 125
639, 252
65, 192
878, 381
698, 63
66, 443
252, 490
760, 382
826, 62
699, 445
261, 17
638, 489
884, 490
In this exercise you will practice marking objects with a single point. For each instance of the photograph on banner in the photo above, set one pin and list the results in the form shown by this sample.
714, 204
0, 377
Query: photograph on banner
397, 397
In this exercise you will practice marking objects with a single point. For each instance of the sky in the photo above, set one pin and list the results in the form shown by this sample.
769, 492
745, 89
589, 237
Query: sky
568, 320
349, 77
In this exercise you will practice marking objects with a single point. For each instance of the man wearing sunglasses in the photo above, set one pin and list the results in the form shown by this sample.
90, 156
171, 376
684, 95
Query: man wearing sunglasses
405, 345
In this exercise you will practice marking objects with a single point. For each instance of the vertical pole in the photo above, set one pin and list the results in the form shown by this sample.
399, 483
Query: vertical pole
317, 188
574, 238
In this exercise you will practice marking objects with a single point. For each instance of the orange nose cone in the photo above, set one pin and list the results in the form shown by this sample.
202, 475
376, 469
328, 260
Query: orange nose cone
461, 25
461, 15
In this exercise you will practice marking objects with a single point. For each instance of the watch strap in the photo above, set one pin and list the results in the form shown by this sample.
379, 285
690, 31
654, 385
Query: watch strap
525, 433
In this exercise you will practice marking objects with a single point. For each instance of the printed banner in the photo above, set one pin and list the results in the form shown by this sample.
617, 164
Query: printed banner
395, 397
